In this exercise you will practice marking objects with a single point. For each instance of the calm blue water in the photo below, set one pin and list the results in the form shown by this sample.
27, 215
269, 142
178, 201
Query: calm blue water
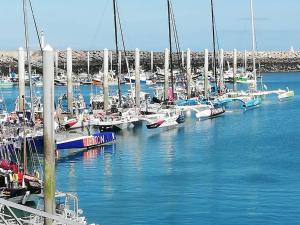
242, 168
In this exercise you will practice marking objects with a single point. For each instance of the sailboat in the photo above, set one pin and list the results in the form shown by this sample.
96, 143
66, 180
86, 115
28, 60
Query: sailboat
214, 108
164, 118
121, 112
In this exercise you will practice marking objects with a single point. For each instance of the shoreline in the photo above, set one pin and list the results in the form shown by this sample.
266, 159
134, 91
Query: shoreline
269, 61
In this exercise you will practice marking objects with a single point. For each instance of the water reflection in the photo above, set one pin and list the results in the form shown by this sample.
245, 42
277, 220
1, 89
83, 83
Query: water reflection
87, 155
72, 177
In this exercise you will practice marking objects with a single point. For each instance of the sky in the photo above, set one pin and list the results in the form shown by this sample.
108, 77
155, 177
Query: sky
88, 24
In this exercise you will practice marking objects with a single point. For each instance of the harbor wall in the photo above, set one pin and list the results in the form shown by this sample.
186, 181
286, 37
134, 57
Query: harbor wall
269, 61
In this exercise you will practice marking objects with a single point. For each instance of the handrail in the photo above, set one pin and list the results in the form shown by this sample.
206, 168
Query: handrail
37, 212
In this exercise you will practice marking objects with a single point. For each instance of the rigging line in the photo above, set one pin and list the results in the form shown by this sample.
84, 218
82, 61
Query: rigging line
175, 33
123, 43
117, 52
38, 158
122, 36
214, 45
30, 153
99, 25
120, 27
35, 25
217, 35
176, 39
218, 46
28, 56
170, 43
16, 154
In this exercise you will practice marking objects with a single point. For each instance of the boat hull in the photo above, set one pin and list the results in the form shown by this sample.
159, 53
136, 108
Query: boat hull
81, 142
286, 95
87, 141
132, 80
210, 113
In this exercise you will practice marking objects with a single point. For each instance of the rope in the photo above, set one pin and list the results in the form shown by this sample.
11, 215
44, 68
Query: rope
123, 41
35, 25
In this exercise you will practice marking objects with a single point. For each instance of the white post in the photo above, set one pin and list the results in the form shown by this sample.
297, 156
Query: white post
221, 70
120, 63
189, 73
105, 79
151, 61
49, 141
234, 69
69, 81
21, 69
167, 56
42, 39
253, 44
205, 73
137, 78
56, 63
182, 58
88, 63
111, 61
245, 62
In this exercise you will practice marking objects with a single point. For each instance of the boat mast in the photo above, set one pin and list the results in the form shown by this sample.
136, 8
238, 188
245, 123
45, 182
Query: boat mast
28, 59
214, 45
170, 45
117, 53
253, 44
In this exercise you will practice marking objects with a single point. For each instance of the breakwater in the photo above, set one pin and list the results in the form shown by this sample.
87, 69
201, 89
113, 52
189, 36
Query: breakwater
267, 61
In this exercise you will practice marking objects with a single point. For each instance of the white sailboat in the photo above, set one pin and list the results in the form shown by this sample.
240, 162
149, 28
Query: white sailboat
212, 110
164, 118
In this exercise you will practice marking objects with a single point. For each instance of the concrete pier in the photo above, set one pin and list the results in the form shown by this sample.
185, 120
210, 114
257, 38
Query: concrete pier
137, 78
88, 63
21, 69
111, 60
151, 61
245, 61
49, 146
56, 62
105, 79
69, 81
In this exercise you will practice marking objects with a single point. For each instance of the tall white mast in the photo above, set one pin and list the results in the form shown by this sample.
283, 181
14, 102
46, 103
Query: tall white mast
253, 44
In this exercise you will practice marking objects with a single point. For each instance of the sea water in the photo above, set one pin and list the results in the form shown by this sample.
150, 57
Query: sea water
240, 168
